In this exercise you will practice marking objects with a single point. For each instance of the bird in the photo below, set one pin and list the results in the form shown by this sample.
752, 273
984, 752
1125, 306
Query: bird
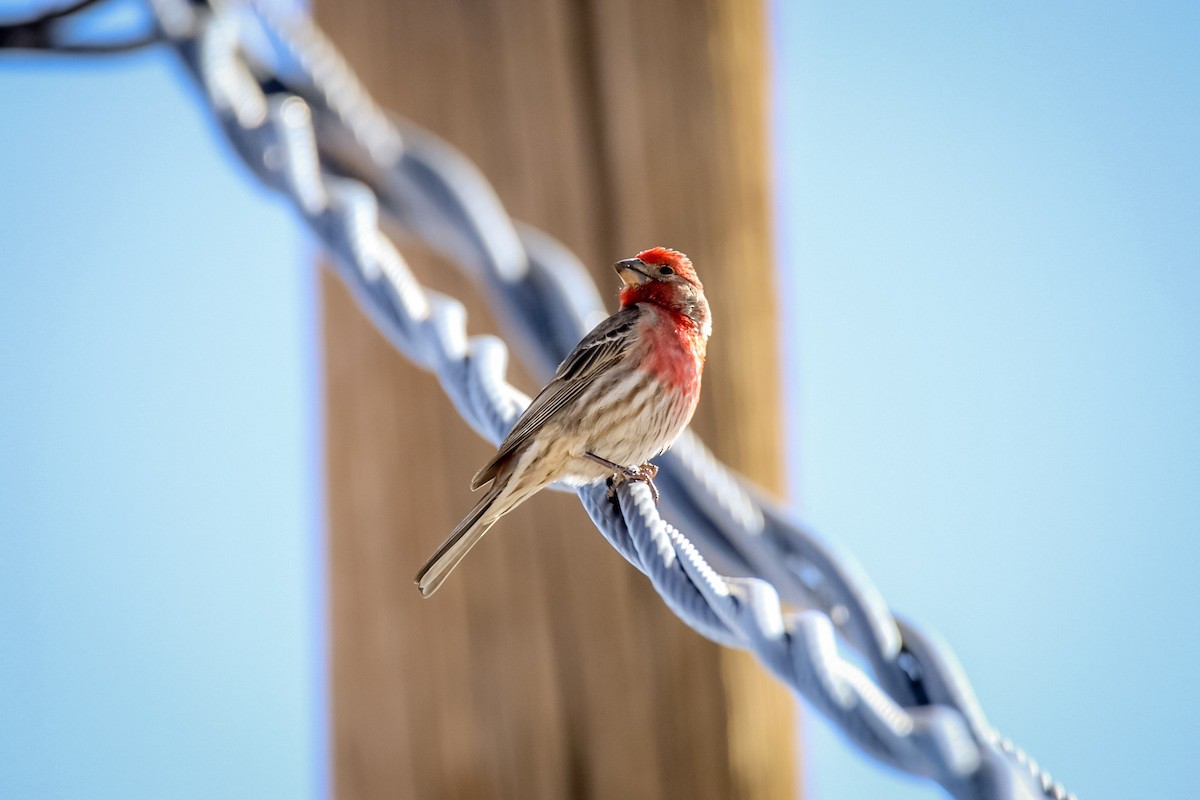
620, 398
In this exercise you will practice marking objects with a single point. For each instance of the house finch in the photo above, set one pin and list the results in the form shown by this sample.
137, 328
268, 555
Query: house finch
620, 398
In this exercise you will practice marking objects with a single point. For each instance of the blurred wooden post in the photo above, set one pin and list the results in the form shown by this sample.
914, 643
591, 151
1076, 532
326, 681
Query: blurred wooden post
547, 667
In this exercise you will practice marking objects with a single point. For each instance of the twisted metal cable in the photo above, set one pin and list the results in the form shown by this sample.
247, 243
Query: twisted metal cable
308, 129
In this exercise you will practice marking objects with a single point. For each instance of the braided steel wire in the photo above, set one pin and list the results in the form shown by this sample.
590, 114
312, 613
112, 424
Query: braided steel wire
301, 121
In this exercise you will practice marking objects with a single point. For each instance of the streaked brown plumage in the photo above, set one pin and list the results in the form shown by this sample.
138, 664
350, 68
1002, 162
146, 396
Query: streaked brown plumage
621, 397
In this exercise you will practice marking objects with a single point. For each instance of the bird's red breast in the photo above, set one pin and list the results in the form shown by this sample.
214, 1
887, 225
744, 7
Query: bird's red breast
675, 350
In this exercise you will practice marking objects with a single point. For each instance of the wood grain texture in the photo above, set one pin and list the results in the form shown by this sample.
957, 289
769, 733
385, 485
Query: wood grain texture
547, 667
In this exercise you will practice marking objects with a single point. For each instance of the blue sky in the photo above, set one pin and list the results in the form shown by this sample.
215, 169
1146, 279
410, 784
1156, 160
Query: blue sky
989, 242
989, 259
160, 604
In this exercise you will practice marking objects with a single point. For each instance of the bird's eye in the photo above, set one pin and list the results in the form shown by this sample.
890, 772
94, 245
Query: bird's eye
666, 271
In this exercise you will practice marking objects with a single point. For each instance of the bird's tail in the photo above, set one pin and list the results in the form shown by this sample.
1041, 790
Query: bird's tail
462, 539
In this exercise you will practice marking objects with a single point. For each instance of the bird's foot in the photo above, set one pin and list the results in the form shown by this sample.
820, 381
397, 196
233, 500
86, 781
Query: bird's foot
611, 483
644, 473
647, 471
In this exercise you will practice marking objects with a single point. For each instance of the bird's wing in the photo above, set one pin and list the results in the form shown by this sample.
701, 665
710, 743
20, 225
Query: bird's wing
608, 342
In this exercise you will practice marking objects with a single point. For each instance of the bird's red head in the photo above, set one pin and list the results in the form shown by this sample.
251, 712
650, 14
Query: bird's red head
665, 278
657, 275
659, 257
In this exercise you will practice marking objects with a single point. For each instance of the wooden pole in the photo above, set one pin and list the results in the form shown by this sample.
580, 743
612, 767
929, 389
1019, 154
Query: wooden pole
547, 667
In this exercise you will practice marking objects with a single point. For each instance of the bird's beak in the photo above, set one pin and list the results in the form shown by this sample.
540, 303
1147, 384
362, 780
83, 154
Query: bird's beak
632, 271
